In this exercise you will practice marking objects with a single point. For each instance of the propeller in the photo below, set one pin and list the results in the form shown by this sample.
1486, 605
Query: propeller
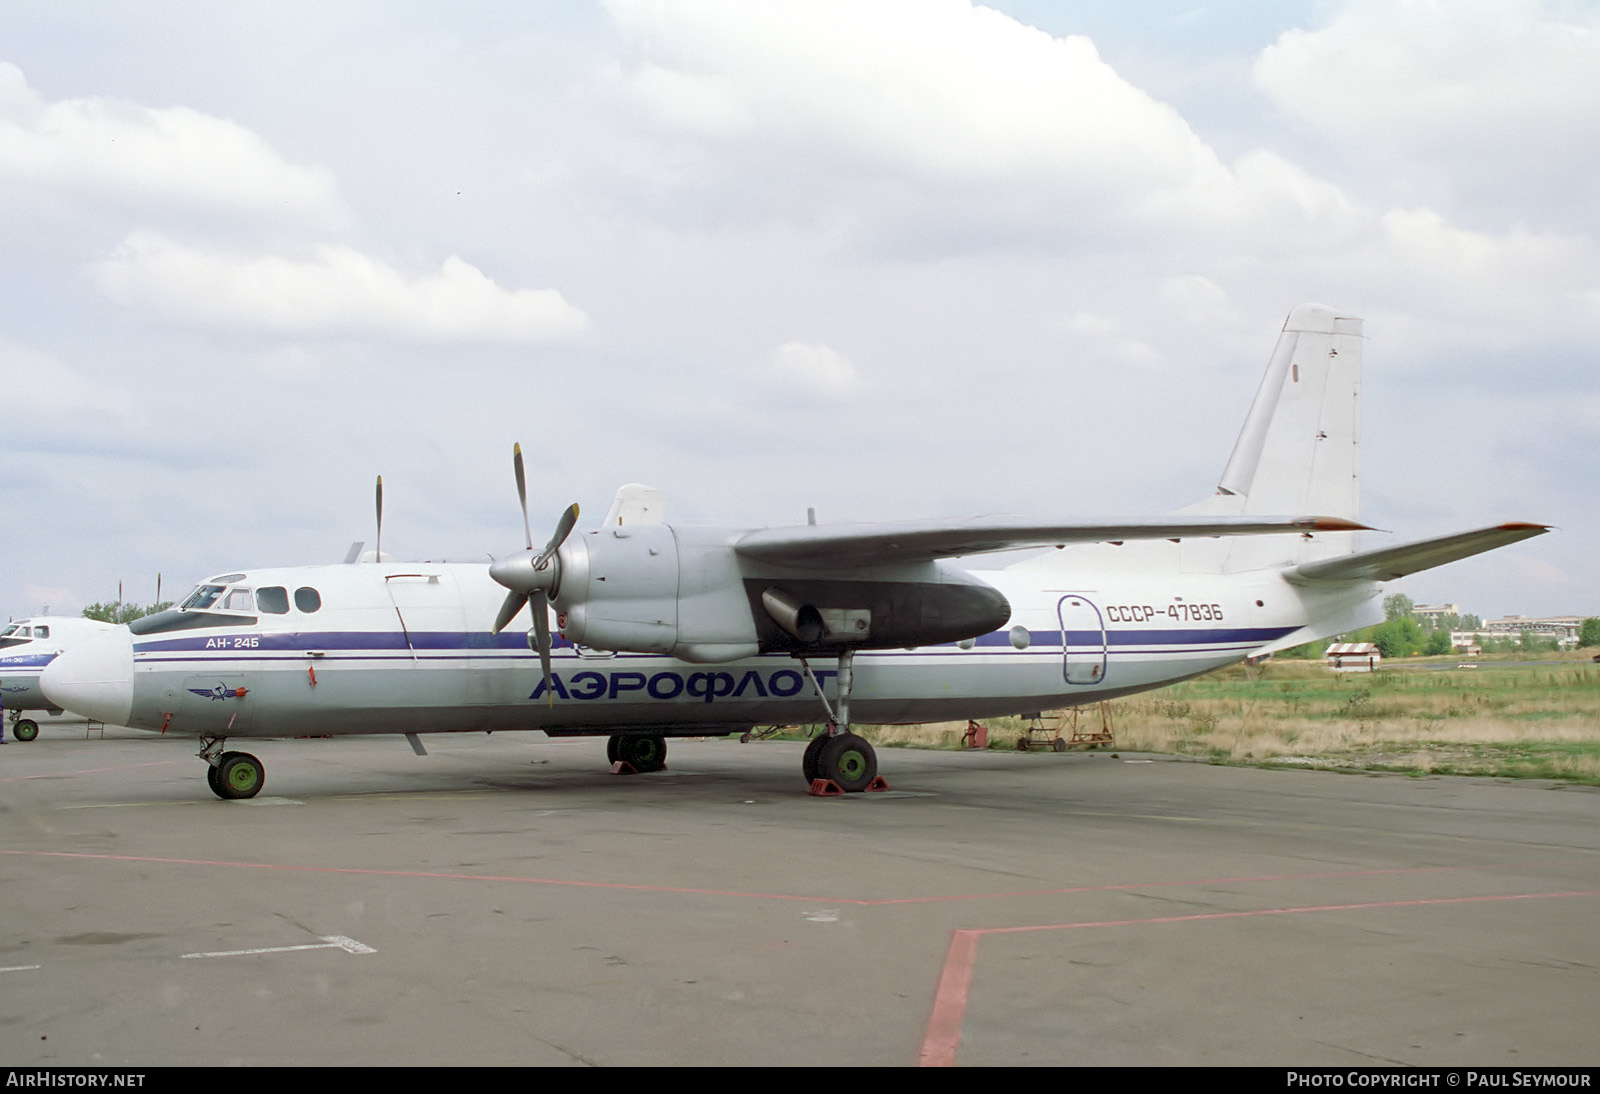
527, 573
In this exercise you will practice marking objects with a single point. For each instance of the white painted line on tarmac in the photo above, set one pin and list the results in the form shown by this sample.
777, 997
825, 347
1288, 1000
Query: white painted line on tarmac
329, 942
21, 968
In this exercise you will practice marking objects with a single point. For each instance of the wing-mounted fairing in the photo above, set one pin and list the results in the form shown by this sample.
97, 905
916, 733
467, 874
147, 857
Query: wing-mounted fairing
710, 595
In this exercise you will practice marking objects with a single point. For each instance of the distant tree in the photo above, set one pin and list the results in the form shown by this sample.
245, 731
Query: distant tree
1497, 643
1438, 642
1399, 637
1537, 643
1397, 606
123, 613
1589, 633
1470, 622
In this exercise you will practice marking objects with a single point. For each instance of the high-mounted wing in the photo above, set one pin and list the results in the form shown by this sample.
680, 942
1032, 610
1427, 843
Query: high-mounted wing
1388, 563
851, 545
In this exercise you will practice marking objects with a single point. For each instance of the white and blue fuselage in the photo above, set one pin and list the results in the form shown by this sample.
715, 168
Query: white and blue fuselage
385, 647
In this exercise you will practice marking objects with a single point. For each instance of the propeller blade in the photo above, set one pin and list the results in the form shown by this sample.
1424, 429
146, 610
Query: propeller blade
563, 530
508, 610
522, 491
541, 629
377, 554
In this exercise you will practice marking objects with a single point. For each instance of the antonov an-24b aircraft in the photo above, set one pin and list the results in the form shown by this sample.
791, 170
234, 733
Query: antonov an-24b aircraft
666, 631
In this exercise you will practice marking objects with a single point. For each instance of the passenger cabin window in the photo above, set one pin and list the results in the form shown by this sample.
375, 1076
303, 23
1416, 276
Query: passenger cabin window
239, 600
203, 597
307, 599
273, 600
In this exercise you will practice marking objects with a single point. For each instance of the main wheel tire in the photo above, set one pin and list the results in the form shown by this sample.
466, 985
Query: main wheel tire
645, 752
239, 775
211, 781
25, 729
612, 755
849, 761
808, 762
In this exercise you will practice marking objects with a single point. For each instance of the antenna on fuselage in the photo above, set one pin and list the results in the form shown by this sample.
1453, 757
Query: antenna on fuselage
377, 553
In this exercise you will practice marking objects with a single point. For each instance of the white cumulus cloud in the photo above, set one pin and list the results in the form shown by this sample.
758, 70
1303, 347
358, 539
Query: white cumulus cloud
1482, 100
112, 149
336, 290
814, 370
956, 117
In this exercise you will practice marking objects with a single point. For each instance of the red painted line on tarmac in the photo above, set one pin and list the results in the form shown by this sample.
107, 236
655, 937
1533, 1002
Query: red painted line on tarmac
440, 876
690, 891
84, 771
1249, 878
943, 1034
950, 1001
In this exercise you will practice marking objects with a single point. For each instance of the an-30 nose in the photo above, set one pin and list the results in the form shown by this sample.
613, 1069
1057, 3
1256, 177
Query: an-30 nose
95, 679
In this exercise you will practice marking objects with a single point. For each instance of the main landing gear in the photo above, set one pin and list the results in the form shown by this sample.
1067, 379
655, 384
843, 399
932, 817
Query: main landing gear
231, 775
838, 761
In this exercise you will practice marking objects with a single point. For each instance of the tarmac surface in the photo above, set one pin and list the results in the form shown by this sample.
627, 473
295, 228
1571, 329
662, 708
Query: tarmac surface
507, 900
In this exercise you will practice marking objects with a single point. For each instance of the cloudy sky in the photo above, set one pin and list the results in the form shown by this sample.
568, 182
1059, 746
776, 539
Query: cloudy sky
887, 258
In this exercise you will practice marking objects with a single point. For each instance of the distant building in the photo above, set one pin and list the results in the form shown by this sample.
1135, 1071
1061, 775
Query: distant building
1353, 656
1431, 615
1563, 628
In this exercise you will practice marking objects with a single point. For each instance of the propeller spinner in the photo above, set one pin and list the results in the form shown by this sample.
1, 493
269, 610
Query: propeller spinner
527, 573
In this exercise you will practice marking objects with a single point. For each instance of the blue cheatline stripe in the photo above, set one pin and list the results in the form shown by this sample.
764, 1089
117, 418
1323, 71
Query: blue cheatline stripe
1174, 637
28, 661
390, 655
468, 642
302, 641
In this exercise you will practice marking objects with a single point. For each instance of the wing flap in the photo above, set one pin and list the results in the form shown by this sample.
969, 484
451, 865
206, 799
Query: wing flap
1389, 563
831, 545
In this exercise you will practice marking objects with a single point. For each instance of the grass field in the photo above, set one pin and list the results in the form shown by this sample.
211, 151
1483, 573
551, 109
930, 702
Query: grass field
1516, 718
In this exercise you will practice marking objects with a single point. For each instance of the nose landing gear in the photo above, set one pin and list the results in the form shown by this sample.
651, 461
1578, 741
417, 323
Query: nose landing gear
231, 776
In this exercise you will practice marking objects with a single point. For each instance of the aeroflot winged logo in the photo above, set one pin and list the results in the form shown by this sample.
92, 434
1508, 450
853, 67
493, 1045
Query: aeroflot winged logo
221, 691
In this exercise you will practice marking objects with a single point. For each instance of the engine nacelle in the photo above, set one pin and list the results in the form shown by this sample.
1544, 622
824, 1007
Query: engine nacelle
687, 593
619, 589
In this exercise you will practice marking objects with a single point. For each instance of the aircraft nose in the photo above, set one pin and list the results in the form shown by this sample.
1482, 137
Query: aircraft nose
94, 679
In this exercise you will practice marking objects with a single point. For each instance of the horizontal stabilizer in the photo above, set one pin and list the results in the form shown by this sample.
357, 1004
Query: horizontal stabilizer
841, 545
1409, 558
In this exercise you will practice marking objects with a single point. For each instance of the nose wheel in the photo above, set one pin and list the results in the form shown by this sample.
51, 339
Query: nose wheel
232, 776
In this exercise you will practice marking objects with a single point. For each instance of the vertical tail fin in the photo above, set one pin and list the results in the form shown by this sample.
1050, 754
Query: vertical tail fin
1300, 448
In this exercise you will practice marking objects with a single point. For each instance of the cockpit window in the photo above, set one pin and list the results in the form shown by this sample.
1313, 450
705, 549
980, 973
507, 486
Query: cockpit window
273, 600
239, 600
203, 597
41, 632
307, 599
14, 631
